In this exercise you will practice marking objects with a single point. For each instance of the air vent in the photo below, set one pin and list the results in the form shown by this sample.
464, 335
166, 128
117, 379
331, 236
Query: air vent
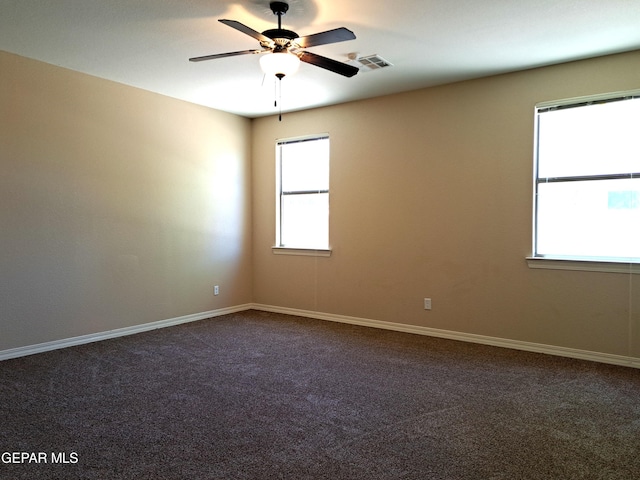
373, 62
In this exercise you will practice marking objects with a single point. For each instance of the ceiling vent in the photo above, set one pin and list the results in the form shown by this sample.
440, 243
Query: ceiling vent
370, 62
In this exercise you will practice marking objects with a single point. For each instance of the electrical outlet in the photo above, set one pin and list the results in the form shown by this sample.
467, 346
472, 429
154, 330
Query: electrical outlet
427, 304
216, 289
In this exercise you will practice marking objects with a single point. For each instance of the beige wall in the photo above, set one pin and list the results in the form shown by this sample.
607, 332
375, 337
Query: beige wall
118, 207
431, 196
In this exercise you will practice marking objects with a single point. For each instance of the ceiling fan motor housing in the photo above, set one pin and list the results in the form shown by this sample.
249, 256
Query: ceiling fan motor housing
280, 33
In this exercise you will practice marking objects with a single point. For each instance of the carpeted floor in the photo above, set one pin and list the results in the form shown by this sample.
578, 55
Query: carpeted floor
257, 395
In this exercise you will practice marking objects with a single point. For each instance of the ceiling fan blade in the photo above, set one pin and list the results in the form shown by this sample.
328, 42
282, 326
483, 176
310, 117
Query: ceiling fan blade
330, 36
246, 30
222, 55
328, 64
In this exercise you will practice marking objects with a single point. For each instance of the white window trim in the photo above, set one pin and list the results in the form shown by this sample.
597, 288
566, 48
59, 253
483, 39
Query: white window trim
575, 263
298, 251
588, 98
305, 252
549, 263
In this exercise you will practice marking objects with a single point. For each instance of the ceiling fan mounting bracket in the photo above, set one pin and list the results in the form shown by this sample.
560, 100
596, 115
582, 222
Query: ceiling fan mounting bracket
279, 8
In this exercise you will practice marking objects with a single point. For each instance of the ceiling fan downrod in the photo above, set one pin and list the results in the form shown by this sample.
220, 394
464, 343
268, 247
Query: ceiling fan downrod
279, 9
281, 36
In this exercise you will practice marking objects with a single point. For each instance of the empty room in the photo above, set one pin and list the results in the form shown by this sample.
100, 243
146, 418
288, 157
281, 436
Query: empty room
313, 239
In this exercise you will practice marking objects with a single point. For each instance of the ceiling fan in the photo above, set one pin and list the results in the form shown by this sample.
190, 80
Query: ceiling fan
283, 49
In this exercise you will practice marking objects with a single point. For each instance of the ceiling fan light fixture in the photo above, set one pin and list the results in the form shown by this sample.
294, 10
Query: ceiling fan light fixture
279, 63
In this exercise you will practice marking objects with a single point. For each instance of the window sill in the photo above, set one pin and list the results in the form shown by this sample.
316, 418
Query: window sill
306, 252
583, 265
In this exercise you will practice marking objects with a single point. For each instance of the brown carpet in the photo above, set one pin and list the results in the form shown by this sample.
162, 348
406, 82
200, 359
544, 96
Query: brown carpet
257, 395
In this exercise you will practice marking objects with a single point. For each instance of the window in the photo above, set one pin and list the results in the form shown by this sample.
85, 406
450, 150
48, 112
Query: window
302, 218
587, 179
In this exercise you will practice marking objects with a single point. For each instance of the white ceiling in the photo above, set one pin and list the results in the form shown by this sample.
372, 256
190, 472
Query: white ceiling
146, 43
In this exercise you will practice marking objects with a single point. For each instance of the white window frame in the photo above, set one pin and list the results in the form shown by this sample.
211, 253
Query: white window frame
279, 248
571, 262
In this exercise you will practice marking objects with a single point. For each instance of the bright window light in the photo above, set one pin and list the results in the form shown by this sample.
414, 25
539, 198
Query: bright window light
303, 193
587, 182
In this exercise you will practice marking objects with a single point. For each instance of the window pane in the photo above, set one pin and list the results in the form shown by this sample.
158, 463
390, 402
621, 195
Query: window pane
591, 218
589, 140
305, 221
305, 165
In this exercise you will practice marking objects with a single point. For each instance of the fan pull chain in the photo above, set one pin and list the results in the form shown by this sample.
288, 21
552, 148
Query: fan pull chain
280, 99
277, 93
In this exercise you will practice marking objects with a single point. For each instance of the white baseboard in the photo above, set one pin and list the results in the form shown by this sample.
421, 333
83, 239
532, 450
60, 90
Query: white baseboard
399, 327
120, 332
464, 337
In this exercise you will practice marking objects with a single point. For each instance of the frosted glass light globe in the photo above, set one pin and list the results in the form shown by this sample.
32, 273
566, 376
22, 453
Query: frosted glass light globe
279, 63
